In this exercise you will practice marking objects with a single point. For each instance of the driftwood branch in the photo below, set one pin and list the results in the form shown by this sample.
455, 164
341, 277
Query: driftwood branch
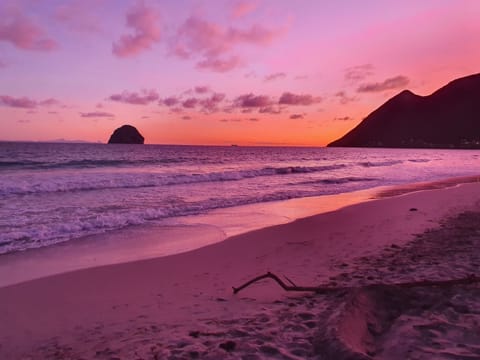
279, 281
325, 289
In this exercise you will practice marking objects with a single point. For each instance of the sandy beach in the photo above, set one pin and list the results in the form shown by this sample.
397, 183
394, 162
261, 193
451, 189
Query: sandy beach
182, 306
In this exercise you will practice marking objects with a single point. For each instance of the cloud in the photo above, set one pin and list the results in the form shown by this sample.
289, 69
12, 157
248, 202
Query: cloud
50, 102
253, 119
96, 114
242, 8
99, 106
343, 118
169, 101
190, 103
232, 120
211, 104
213, 45
201, 89
296, 116
143, 98
396, 82
176, 110
253, 101
288, 98
3, 64
355, 74
219, 64
23, 33
23, 102
144, 21
186, 117
53, 112
208, 104
270, 110
275, 76
344, 98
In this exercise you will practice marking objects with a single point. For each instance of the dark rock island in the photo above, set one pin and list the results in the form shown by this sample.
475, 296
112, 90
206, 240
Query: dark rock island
126, 134
448, 118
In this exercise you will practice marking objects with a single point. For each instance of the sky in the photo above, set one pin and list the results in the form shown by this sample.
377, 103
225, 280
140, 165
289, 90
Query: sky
219, 72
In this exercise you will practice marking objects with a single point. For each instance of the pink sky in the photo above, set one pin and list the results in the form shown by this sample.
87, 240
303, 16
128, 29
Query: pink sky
250, 72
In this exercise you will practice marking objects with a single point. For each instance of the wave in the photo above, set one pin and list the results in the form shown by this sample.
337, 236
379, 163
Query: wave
84, 163
16, 185
419, 160
380, 163
343, 180
94, 221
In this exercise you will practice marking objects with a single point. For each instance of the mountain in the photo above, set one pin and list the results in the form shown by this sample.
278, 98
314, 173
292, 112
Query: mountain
126, 134
448, 118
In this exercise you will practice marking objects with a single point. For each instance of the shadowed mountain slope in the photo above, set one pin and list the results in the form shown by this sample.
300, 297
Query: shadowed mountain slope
448, 118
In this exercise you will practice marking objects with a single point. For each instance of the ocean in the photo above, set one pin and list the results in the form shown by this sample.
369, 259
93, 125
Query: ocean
53, 192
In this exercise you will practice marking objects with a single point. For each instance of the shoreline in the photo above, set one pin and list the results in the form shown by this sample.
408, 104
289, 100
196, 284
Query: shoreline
188, 233
174, 295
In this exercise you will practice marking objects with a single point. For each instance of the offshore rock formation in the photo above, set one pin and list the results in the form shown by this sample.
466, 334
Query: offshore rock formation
126, 134
448, 118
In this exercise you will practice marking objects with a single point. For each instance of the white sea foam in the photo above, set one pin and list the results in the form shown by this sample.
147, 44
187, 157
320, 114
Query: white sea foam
51, 193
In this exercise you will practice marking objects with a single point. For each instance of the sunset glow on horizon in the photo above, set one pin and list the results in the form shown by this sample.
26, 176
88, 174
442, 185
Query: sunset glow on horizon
247, 72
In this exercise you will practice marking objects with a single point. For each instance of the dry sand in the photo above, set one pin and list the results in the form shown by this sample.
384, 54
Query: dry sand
182, 306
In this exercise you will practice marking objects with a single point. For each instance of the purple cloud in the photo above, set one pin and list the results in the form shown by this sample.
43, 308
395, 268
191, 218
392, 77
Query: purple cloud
144, 21
169, 101
190, 103
232, 120
20, 102
358, 73
343, 98
343, 118
25, 102
23, 33
296, 116
50, 102
218, 64
253, 101
201, 89
288, 98
143, 98
96, 114
396, 82
213, 44
270, 110
212, 103
275, 76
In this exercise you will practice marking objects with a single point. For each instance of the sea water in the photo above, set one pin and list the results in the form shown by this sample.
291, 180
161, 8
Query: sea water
52, 193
